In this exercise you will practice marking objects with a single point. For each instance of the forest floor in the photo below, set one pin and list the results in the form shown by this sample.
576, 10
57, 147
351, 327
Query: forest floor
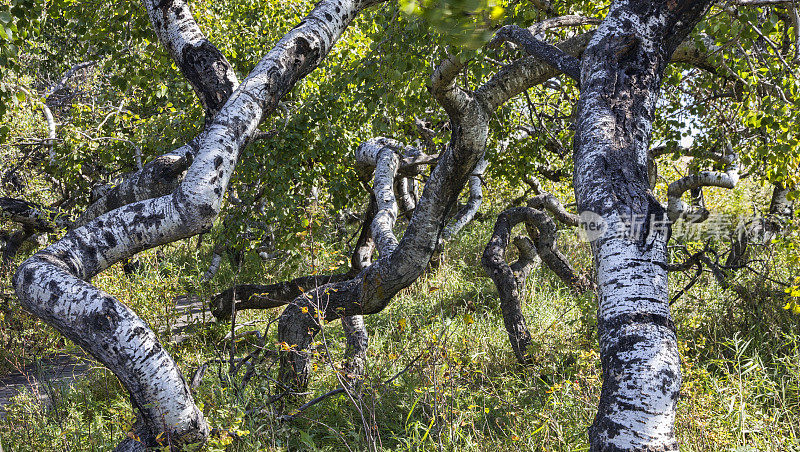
47, 377
440, 372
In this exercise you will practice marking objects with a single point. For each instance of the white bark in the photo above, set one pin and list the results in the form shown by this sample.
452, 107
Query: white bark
677, 208
620, 78
68, 75
213, 80
209, 73
406, 189
468, 212
51, 130
382, 154
213, 267
53, 283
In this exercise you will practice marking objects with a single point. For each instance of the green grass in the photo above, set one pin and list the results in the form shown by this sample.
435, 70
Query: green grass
465, 391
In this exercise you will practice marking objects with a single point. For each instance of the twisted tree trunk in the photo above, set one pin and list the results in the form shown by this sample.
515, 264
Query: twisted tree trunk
53, 284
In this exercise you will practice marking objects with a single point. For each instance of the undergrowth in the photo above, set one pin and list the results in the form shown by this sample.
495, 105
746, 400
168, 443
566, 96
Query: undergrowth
441, 374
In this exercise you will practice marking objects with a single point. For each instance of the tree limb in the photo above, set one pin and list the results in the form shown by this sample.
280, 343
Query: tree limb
676, 208
33, 215
467, 213
203, 65
548, 53
53, 283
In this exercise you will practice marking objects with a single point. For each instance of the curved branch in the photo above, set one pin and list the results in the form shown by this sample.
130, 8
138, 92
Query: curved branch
382, 153
546, 200
374, 287
203, 65
569, 20
267, 296
467, 213
12, 243
545, 52
52, 284
406, 188
676, 208
48, 116
526, 72
510, 279
508, 285
33, 215
158, 177
65, 78
444, 89
213, 80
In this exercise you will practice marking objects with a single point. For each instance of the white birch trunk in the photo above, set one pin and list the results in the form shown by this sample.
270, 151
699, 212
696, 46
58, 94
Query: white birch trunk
53, 284
620, 78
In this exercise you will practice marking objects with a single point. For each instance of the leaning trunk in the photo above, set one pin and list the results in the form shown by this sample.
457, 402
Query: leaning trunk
54, 284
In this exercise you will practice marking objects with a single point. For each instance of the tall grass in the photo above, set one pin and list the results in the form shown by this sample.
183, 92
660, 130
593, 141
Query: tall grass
441, 374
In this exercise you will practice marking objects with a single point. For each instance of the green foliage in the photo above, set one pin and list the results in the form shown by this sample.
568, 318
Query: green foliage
465, 390
463, 23
740, 350
18, 23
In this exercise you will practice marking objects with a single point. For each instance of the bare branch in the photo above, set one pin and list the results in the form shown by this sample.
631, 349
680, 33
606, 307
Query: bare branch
33, 215
383, 153
67, 76
676, 208
467, 213
444, 88
569, 20
203, 65
546, 200
548, 53
159, 177
509, 282
527, 72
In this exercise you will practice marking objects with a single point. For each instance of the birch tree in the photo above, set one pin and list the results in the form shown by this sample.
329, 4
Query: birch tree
618, 69
53, 283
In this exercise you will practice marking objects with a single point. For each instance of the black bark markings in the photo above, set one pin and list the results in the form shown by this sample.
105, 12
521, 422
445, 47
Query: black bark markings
510, 279
205, 68
622, 77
